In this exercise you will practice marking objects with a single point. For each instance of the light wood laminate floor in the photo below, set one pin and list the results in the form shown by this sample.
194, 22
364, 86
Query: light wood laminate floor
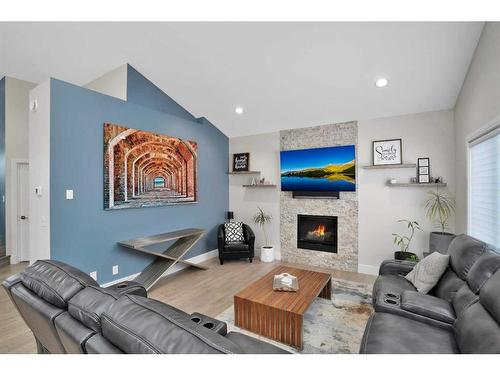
209, 292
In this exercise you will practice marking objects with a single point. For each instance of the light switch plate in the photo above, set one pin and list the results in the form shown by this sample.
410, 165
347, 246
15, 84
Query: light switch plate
69, 194
115, 270
94, 275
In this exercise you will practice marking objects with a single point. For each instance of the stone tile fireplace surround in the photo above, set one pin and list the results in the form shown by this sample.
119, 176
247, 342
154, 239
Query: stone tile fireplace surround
345, 208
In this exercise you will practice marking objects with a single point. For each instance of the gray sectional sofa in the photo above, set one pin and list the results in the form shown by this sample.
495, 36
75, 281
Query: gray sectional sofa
68, 312
461, 314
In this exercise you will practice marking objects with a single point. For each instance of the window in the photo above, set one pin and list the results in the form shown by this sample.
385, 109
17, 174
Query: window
484, 188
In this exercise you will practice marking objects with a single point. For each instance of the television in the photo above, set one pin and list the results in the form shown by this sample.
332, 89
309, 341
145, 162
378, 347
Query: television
324, 169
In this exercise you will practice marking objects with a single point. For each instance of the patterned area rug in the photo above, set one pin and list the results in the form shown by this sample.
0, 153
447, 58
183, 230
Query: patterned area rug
330, 327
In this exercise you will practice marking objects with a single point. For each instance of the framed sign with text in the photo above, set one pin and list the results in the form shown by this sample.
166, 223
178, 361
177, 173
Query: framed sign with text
241, 162
387, 152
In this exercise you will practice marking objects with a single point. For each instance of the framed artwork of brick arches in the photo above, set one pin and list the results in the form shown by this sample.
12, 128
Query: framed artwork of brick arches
144, 169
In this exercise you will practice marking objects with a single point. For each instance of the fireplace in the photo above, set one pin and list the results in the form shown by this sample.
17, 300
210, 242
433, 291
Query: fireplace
317, 233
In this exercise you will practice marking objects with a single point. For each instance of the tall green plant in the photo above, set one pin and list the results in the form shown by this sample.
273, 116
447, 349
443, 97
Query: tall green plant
262, 219
404, 241
439, 208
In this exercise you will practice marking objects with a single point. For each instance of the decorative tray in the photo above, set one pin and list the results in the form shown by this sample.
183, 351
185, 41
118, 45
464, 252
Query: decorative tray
285, 283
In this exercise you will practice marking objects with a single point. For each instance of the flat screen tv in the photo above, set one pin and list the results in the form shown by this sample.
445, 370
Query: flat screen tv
319, 169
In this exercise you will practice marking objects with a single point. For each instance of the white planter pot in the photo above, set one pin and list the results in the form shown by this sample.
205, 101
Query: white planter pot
266, 254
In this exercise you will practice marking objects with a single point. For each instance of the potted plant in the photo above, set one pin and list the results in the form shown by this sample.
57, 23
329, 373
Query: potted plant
267, 251
439, 208
404, 241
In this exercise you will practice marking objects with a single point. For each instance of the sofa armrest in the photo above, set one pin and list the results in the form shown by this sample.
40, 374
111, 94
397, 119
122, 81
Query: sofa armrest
220, 238
248, 232
9, 282
429, 306
396, 267
210, 323
128, 287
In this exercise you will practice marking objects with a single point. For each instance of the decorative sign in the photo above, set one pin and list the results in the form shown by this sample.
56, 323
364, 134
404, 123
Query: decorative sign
387, 152
241, 162
423, 170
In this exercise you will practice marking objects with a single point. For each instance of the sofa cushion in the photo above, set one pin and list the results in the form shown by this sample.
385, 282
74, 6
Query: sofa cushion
394, 334
463, 299
447, 286
428, 271
482, 270
464, 251
477, 332
236, 247
88, 305
478, 327
490, 296
55, 282
396, 284
97, 344
139, 325
72, 333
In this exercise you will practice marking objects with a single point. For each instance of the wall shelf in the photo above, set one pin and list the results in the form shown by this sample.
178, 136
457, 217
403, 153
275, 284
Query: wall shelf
259, 186
390, 166
415, 184
246, 172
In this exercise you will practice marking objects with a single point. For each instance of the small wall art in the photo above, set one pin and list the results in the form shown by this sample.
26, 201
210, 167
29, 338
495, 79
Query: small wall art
423, 170
387, 152
241, 162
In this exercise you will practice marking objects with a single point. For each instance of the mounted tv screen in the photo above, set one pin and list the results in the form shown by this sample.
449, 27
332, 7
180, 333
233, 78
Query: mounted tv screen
319, 169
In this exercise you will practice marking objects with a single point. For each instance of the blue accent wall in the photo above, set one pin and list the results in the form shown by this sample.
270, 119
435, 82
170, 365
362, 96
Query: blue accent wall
142, 91
2, 166
82, 233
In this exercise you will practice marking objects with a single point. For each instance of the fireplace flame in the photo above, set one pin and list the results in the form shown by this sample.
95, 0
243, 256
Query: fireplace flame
319, 230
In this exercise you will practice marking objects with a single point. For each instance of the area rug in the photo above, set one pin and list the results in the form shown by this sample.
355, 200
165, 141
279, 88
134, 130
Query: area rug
330, 327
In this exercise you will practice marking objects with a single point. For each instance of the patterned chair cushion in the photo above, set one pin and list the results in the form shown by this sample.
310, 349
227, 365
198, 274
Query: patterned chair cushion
233, 232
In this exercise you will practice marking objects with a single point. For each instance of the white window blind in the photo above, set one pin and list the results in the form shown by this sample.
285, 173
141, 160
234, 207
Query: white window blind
484, 189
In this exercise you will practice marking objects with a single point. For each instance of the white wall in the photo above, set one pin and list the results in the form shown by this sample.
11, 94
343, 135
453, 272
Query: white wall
424, 135
264, 156
477, 107
113, 83
39, 159
16, 142
380, 207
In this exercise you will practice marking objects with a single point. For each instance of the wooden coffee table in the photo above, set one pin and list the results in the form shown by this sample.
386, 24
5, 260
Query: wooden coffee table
278, 315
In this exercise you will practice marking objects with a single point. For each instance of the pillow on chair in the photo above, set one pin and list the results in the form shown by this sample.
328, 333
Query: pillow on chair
428, 271
234, 232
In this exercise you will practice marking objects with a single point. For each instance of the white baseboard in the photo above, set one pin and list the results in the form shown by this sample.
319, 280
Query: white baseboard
367, 269
176, 268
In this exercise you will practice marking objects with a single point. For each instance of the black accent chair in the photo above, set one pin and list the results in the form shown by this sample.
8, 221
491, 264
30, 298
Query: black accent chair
236, 250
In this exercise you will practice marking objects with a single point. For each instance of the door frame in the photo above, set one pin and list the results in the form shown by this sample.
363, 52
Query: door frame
14, 255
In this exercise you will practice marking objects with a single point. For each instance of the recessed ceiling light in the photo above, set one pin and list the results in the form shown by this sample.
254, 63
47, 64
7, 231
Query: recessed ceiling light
238, 110
381, 82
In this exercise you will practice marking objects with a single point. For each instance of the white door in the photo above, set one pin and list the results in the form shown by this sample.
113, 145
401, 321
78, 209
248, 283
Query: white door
23, 225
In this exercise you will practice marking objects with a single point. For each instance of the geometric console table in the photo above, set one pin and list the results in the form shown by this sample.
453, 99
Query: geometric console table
186, 238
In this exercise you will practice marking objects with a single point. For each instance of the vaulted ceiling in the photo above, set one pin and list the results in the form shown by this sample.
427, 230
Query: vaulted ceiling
283, 75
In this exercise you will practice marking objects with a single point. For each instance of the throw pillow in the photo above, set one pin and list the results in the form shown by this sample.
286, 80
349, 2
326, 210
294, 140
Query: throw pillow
428, 271
234, 232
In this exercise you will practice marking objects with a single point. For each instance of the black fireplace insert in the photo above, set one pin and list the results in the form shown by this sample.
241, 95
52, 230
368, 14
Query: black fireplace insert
317, 233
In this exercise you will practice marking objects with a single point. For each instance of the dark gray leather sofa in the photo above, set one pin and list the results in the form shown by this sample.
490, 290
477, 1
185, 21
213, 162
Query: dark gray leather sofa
460, 315
68, 312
